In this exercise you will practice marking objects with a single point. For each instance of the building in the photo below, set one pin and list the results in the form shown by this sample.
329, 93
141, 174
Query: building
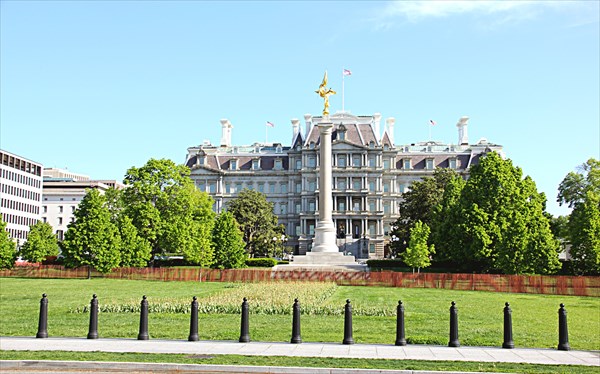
62, 193
370, 174
21, 194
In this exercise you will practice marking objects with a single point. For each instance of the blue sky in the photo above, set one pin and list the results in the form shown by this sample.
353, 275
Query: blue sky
101, 86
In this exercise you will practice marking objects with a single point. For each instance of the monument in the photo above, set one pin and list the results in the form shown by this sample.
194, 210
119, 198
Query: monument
324, 251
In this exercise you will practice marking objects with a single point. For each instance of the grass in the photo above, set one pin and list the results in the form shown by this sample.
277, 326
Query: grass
304, 362
535, 318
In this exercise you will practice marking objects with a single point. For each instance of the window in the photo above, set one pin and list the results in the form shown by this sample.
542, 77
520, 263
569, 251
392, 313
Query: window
261, 187
341, 184
372, 228
233, 165
341, 161
356, 184
212, 187
59, 235
255, 164
386, 208
386, 147
386, 187
283, 209
311, 186
341, 205
298, 164
227, 187
452, 163
386, 164
311, 145
298, 187
406, 164
73, 209
297, 208
44, 209
371, 144
356, 160
60, 209
44, 219
201, 186
372, 162
272, 188
283, 188
311, 206
372, 206
298, 230
278, 164
429, 164
371, 185
311, 229
238, 187
312, 162
402, 188
356, 205
371, 248
60, 220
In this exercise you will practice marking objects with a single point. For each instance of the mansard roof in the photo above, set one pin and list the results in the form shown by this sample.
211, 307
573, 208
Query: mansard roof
360, 134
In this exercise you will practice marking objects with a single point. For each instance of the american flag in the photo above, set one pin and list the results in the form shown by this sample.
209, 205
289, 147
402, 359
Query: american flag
432, 122
270, 124
347, 72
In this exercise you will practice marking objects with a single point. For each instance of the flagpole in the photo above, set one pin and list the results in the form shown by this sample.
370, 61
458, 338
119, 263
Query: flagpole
343, 76
266, 134
430, 126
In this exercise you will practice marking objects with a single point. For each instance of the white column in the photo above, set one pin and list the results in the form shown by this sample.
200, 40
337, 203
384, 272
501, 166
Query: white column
325, 230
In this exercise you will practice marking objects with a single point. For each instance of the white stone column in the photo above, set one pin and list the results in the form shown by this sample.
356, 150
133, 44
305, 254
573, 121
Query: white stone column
325, 230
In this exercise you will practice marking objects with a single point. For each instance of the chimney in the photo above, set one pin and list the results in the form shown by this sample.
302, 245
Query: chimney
308, 121
376, 122
296, 127
463, 137
226, 133
390, 122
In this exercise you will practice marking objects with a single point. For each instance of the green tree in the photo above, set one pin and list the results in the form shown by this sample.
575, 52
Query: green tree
500, 223
41, 243
581, 191
257, 221
418, 204
135, 250
168, 211
228, 243
444, 221
8, 252
92, 239
418, 253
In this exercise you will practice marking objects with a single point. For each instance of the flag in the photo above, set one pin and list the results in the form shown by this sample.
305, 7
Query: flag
270, 124
347, 72
432, 122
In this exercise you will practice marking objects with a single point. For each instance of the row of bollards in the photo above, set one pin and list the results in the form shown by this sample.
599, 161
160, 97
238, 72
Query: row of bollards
563, 334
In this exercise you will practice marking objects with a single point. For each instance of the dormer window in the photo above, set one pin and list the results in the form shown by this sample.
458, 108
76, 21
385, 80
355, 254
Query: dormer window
341, 132
278, 149
278, 164
386, 147
429, 164
371, 144
452, 163
406, 164
256, 164
233, 164
311, 145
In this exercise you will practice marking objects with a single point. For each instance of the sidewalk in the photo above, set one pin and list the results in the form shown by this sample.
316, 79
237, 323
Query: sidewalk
409, 352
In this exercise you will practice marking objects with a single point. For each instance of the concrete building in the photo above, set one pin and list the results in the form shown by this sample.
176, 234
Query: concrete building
369, 171
62, 193
21, 194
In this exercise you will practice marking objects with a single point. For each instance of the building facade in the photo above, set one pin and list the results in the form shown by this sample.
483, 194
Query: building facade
63, 191
21, 194
370, 174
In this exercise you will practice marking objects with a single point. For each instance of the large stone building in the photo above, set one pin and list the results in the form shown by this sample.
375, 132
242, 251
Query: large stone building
62, 193
21, 194
370, 174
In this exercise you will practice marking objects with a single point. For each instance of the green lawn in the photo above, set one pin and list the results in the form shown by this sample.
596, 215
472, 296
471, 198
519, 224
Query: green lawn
304, 362
535, 318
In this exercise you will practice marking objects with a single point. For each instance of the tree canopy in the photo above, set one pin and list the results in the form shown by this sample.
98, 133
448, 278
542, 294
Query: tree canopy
581, 191
257, 221
228, 243
498, 222
8, 253
41, 243
92, 239
418, 252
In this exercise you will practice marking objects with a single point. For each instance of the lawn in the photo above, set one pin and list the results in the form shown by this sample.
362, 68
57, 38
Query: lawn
535, 318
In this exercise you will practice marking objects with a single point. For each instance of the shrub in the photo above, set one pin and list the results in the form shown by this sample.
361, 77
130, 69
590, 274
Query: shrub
386, 264
261, 262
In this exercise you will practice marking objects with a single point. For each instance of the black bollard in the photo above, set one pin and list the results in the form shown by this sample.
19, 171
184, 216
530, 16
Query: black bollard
400, 338
453, 326
348, 324
43, 321
563, 331
245, 328
143, 335
93, 330
296, 339
508, 337
194, 321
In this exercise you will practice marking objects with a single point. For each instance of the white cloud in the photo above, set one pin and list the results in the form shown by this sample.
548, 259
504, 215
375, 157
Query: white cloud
500, 11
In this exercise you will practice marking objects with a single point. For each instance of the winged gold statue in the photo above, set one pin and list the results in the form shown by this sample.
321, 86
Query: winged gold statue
324, 93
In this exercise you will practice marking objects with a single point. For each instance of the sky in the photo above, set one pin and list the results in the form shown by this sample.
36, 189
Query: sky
100, 86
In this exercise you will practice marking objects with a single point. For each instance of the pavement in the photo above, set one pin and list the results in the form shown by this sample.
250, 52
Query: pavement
377, 351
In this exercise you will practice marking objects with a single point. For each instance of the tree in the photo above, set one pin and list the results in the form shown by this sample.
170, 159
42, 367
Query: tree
581, 191
135, 250
41, 243
168, 211
418, 204
92, 239
8, 253
417, 253
228, 243
257, 221
444, 221
499, 222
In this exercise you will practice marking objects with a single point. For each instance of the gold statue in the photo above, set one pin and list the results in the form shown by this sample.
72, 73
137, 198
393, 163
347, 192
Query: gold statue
324, 93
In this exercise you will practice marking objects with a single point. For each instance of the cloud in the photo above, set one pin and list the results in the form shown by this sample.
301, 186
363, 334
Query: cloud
499, 11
